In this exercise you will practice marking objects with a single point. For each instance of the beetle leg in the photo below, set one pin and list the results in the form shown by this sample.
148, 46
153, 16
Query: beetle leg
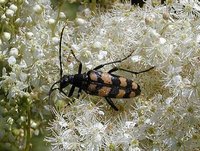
118, 61
110, 102
80, 68
63, 92
134, 72
113, 70
71, 91
80, 64
79, 91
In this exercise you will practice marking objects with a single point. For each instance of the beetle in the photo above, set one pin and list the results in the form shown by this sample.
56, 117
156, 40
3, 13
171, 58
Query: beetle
96, 82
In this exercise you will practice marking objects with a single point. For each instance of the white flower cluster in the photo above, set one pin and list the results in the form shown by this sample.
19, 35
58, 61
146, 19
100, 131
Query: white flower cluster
166, 116
79, 129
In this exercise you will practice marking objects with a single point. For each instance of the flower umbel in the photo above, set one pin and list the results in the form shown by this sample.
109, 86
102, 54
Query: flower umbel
78, 127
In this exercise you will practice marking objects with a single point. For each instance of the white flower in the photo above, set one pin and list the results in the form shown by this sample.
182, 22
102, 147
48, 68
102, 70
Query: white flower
37, 9
6, 36
102, 54
23, 64
90, 132
23, 76
2, 1
51, 21
14, 52
38, 53
13, 7
87, 12
169, 100
9, 13
97, 45
19, 21
136, 58
62, 15
186, 8
55, 40
80, 21
12, 60
29, 35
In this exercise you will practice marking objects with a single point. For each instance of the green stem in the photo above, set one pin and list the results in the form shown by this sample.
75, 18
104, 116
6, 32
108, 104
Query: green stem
28, 130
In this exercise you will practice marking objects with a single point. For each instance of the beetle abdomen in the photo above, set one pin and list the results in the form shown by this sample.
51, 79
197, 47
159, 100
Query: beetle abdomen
111, 91
107, 85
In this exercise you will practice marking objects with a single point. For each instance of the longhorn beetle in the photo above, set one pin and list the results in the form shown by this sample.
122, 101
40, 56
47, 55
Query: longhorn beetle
95, 82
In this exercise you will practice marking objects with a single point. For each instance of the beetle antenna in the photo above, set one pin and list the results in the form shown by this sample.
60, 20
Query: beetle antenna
60, 52
52, 89
61, 69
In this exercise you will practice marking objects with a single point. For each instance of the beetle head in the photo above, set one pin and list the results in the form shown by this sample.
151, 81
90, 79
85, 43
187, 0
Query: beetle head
64, 82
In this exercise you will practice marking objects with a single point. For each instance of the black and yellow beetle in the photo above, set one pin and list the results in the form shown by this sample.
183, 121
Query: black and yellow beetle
95, 82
